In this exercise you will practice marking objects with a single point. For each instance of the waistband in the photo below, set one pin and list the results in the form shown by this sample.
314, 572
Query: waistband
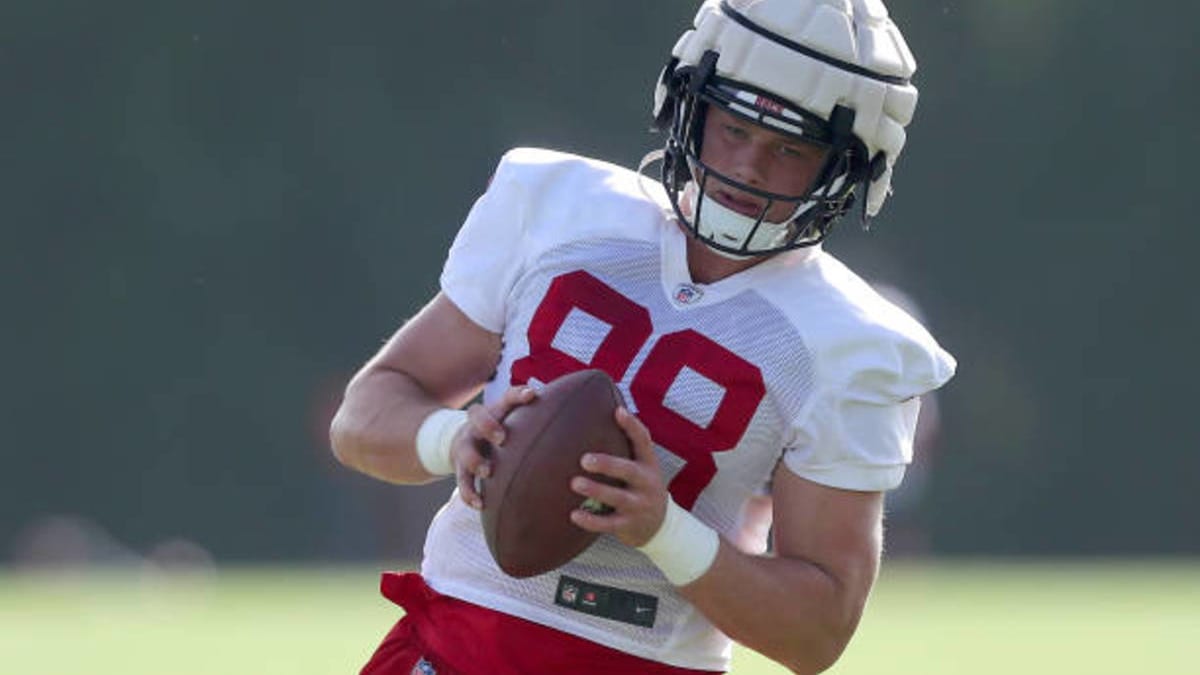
475, 639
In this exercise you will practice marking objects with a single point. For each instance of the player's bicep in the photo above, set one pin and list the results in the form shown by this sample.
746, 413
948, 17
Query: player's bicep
839, 531
442, 350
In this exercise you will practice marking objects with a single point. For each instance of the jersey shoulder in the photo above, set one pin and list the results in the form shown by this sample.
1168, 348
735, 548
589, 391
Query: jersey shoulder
564, 192
859, 338
541, 208
543, 168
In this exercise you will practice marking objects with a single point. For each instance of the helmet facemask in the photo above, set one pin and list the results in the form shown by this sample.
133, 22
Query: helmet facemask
837, 72
690, 181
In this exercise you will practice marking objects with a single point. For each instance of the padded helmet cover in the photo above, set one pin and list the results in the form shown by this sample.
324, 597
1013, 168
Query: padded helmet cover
817, 55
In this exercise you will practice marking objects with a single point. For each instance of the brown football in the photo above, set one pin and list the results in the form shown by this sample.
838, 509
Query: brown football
528, 499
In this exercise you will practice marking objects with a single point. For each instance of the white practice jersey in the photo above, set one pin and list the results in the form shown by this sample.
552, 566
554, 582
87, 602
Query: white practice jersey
579, 264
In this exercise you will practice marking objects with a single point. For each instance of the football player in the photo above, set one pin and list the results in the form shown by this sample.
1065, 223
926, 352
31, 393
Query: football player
771, 391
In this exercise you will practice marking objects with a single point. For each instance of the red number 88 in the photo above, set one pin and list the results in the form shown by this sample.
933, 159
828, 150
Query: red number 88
630, 329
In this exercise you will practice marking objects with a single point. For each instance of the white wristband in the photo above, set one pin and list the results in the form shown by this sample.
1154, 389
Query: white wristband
435, 437
683, 548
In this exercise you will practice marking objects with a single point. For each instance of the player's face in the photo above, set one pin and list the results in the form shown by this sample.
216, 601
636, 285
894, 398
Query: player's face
759, 157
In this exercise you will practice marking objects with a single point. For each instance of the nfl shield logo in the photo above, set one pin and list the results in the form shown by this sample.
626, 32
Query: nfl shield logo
685, 294
569, 593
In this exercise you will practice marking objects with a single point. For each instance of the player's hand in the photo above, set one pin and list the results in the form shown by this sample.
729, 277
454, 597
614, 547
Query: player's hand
484, 426
639, 507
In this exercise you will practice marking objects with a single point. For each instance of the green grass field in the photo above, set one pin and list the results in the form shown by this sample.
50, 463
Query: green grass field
961, 618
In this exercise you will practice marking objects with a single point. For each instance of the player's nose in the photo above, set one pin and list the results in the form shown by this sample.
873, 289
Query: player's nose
751, 163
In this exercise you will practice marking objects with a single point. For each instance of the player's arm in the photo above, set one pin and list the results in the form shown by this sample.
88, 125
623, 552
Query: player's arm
799, 607
439, 359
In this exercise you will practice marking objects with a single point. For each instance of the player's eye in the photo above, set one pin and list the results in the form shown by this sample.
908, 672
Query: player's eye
793, 151
734, 131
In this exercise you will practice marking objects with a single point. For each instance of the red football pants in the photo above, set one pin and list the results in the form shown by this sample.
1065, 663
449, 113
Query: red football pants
441, 635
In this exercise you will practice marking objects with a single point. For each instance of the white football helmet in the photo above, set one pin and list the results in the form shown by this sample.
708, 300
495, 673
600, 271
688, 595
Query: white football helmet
830, 72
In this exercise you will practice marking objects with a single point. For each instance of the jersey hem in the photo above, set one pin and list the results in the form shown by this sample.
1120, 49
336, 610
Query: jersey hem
852, 477
504, 603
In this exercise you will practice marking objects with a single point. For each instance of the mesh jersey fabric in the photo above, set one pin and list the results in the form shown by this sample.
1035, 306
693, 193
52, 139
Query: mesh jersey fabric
577, 263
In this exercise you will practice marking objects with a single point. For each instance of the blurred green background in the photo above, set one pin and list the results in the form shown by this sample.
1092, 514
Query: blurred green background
213, 212
1040, 618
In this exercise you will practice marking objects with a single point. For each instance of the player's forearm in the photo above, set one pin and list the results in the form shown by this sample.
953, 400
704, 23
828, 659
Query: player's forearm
375, 428
789, 610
